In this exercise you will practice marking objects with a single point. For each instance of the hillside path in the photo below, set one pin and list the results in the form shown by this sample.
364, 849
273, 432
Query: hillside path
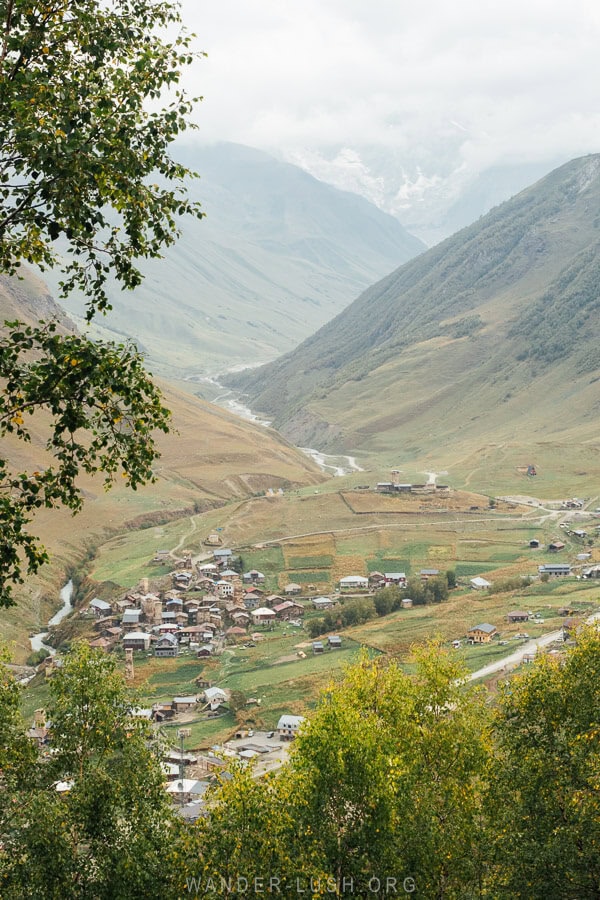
185, 537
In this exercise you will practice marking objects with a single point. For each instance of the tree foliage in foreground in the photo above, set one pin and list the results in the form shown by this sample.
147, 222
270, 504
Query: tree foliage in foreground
84, 136
405, 784
89, 103
545, 801
109, 835
99, 406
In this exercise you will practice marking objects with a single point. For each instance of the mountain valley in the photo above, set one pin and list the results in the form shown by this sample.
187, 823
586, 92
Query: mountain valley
454, 376
492, 336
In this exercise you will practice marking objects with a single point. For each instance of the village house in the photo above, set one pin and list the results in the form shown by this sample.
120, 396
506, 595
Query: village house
288, 726
192, 611
376, 579
406, 602
205, 612
235, 632
223, 555
161, 556
252, 601
214, 697
480, 584
101, 643
517, 616
225, 588
354, 583
204, 651
229, 574
207, 637
253, 577
174, 755
191, 632
318, 647
555, 546
321, 603
481, 634
166, 645
397, 578
186, 790
288, 610
240, 617
131, 617
38, 734
183, 704
292, 589
136, 640
263, 615
555, 570
174, 604
182, 580
425, 574
100, 608
101, 625
121, 605
112, 632
334, 642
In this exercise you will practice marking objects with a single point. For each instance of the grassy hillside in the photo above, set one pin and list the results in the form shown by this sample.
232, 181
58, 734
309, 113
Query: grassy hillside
210, 459
491, 336
277, 255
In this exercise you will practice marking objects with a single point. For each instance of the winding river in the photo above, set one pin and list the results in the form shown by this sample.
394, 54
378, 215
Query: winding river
66, 594
336, 464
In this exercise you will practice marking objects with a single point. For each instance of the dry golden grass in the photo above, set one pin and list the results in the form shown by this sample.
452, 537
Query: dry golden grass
212, 458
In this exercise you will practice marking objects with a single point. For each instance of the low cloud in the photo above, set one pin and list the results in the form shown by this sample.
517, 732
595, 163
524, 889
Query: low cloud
475, 83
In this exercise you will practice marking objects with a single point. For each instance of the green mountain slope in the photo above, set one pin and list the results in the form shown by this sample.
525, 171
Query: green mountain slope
492, 331
277, 255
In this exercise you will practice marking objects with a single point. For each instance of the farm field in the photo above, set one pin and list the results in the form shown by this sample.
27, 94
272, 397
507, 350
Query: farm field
311, 536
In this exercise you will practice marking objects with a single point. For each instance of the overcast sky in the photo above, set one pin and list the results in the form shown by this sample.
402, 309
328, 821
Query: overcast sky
500, 81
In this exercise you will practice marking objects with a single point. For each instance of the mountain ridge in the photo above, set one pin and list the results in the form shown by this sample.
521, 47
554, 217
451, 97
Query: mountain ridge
478, 295
277, 254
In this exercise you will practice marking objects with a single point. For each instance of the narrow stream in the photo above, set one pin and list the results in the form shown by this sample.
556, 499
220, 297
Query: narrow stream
228, 399
339, 465
66, 594
335, 467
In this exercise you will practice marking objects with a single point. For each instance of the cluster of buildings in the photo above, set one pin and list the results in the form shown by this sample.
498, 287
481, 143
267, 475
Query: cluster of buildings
189, 775
207, 604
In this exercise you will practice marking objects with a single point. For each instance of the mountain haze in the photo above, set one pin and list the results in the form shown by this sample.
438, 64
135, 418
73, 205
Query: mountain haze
493, 332
432, 191
277, 255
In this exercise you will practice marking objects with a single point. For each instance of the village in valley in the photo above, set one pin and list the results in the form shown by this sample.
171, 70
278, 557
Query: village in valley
246, 661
